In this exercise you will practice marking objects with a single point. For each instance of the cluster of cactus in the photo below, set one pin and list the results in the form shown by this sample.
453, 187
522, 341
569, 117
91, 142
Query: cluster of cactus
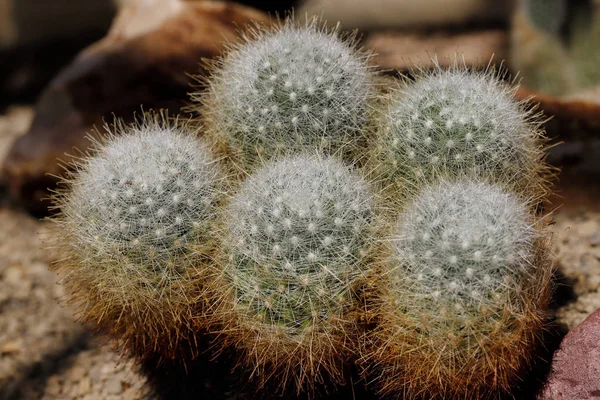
397, 232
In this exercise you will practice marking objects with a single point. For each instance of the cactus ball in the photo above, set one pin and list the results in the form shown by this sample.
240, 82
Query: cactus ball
134, 223
293, 87
454, 121
466, 293
297, 234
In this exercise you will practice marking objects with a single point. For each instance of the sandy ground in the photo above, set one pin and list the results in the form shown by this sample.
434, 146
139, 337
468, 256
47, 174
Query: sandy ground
44, 354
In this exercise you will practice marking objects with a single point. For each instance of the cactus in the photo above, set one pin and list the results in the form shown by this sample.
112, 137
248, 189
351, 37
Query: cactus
457, 121
134, 224
294, 250
287, 89
466, 286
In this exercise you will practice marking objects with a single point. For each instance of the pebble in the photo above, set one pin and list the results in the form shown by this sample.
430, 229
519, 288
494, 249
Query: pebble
595, 239
13, 276
588, 228
54, 386
76, 373
85, 386
114, 386
11, 347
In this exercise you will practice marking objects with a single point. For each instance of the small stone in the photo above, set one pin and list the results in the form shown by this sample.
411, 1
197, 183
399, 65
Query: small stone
85, 386
76, 373
588, 228
11, 347
131, 394
96, 374
595, 239
114, 386
108, 369
54, 386
576, 365
22, 290
13, 276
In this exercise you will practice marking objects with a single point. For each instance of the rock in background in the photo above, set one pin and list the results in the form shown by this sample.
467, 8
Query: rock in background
144, 60
38, 37
576, 365
26, 22
44, 354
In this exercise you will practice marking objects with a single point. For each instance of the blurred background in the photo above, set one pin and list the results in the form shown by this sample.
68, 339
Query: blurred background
66, 65
69, 65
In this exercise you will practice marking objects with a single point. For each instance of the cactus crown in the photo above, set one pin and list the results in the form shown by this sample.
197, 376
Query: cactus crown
144, 197
460, 246
297, 229
288, 89
457, 121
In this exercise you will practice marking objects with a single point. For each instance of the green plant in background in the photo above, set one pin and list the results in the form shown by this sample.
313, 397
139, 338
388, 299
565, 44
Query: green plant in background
554, 44
457, 121
135, 227
286, 89
540, 58
585, 43
294, 245
549, 15
465, 289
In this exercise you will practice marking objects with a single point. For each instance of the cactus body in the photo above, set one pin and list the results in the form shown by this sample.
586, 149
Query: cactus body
289, 89
467, 287
135, 226
453, 122
294, 249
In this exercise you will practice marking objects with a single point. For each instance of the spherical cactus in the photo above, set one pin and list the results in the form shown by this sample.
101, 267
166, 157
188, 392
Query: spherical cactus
466, 286
455, 121
294, 249
286, 89
134, 226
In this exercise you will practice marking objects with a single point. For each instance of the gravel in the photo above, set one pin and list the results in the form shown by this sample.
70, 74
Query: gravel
44, 354
34, 329
577, 252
